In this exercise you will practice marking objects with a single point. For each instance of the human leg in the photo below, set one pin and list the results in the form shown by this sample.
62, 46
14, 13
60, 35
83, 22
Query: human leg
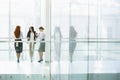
30, 50
18, 57
40, 56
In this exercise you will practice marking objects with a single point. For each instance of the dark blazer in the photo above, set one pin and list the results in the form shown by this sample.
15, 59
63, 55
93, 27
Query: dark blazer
28, 35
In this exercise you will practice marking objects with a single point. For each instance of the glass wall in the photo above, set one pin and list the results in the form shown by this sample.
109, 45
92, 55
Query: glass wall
69, 33
84, 34
82, 37
4, 20
17, 13
25, 13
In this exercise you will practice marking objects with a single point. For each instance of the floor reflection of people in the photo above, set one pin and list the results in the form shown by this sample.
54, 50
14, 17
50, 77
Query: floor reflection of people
72, 42
57, 43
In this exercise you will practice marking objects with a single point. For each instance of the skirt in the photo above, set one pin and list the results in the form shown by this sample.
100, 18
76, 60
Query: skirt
18, 46
41, 47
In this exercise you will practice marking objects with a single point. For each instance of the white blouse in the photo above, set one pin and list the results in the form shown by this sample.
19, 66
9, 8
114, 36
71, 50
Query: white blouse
21, 36
31, 36
41, 36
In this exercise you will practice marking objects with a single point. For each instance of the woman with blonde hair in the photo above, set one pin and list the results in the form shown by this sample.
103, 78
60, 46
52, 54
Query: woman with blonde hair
18, 44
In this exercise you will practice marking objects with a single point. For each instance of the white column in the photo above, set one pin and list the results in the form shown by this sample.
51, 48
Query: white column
45, 21
47, 25
42, 12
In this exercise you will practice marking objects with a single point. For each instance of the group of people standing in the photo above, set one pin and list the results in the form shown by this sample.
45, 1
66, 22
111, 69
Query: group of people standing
32, 36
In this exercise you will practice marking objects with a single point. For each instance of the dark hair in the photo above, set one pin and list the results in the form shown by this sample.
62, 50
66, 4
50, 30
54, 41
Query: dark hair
28, 34
17, 31
31, 27
41, 28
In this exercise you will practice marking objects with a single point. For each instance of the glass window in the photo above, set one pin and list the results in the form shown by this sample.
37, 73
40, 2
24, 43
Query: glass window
4, 18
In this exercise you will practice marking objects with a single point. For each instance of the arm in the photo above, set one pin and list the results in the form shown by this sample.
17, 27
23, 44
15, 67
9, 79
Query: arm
28, 36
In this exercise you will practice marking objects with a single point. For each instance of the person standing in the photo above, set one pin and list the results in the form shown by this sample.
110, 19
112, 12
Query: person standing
18, 44
31, 37
41, 37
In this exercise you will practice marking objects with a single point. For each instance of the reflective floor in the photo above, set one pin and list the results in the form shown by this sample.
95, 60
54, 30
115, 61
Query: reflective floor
62, 67
64, 70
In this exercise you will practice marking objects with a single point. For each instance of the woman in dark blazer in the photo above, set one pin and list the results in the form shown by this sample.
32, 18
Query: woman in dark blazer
31, 37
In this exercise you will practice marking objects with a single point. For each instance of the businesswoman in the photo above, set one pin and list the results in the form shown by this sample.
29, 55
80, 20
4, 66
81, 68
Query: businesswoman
31, 37
18, 44
41, 38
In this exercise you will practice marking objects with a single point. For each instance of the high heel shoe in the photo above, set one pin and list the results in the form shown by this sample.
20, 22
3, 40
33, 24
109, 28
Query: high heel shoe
40, 60
18, 61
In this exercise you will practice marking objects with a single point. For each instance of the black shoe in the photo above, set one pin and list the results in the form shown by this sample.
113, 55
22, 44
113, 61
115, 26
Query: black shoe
40, 60
18, 61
